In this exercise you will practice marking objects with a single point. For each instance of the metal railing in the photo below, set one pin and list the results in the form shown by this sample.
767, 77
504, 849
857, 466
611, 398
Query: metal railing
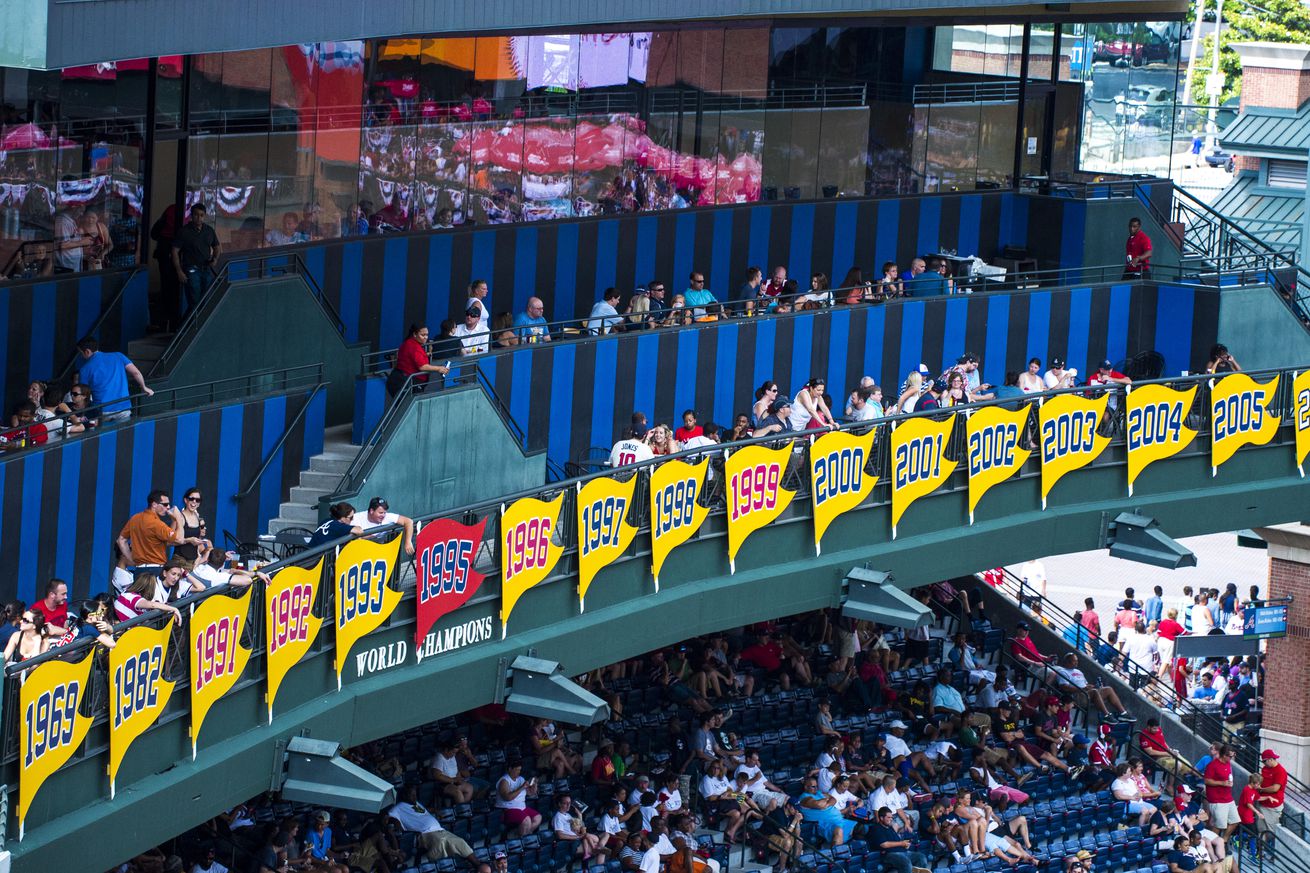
1236, 271
277, 446
1145, 681
181, 399
264, 264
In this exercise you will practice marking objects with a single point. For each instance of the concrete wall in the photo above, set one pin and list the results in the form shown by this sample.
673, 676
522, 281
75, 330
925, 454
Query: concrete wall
1107, 230
449, 450
1259, 329
248, 331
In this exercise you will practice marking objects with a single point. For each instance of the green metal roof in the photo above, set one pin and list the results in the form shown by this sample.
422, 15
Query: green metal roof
1274, 218
1260, 129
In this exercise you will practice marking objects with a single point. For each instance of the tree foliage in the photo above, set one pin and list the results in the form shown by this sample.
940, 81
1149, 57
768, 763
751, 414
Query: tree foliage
1285, 21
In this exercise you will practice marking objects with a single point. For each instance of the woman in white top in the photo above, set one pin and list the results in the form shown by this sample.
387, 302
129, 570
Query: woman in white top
568, 826
1030, 380
512, 792
720, 796
810, 410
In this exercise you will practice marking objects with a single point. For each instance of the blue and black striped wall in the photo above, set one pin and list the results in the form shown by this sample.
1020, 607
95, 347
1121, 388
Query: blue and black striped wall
380, 285
62, 506
42, 321
568, 397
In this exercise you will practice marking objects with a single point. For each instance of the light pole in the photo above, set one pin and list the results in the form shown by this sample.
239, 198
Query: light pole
1214, 84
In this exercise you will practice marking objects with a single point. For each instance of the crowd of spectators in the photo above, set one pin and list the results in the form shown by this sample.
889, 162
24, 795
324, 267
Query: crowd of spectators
98, 393
815, 739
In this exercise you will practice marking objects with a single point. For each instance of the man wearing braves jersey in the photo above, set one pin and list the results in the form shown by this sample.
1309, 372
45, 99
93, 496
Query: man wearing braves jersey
629, 450
1106, 374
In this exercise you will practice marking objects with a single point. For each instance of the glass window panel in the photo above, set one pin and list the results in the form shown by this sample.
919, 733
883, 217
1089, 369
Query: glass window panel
605, 174
746, 62
843, 151
700, 59
442, 173
386, 175
739, 156
238, 185
495, 172
791, 152
548, 158
891, 164
995, 144
951, 159
1042, 45
662, 60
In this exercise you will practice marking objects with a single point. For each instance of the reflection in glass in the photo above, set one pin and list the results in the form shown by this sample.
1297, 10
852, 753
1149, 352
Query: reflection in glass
386, 176
495, 153
548, 160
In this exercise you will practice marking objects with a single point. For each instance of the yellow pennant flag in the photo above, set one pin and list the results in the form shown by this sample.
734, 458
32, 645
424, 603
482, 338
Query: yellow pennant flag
675, 510
755, 493
1157, 426
996, 440
528, 551
218, 657
290, 623
51, 725
1069, 439
1240, 416
138, 691
1301, 405
919, 464
604, 532
838, 480
364, 599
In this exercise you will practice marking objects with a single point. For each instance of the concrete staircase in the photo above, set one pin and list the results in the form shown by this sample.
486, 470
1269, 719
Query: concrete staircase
145, 352
324, 473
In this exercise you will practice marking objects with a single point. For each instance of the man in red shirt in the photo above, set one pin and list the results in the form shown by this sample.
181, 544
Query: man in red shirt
1091, 620
1153, 743
1024, 650
1219, 793
1138, 249
1106, 374
1273, 783
55, 609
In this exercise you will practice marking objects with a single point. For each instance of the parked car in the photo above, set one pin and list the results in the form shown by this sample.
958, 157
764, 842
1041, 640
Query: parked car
1125, 51
1217, 157
1147, 104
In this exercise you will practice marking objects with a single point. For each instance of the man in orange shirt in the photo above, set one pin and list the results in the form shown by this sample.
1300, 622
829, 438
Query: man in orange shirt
145, 539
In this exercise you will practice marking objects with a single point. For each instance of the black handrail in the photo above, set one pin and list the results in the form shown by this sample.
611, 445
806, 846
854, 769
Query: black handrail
1184, 708
277, 447
1247, 270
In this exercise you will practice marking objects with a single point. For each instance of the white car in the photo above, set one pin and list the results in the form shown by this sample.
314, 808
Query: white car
1147, 104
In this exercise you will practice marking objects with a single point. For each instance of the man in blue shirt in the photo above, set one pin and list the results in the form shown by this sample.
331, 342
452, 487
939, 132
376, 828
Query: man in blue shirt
698, 296
921, 283
1153, 609
531, 325
605, 314
106, 373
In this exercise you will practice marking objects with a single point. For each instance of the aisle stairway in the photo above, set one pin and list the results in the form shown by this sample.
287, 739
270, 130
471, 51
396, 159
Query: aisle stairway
322, 477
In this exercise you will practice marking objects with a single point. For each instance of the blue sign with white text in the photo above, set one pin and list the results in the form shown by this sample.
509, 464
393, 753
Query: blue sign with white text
1264, 621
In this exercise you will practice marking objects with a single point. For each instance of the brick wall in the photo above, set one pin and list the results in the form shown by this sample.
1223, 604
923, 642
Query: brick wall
1287, 662
1274, 89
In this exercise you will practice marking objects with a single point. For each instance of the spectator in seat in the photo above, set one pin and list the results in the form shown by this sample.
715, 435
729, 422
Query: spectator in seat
1181, 860
31, 639
698, 298
51, 412
1106, 374
134, 602
723, 800
1125, 788
631, 449
1030, 380
1069, 678
336, 527
553, 750
212, 572
1025, 651
778, 419
569, 827
379, 514
777, 282
605, 314
512, 793
53, 608
531, 323
474, 338
821, 810
1058, 376
1152, 742
1222, 361
436, 841
897, 854
765, 794
749, 292
145, 538
1009, 732
318, 846
445, 770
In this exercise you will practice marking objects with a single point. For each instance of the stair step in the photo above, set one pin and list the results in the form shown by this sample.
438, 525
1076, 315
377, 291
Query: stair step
278, 525
328, 464
318, 480
307, 495
301, 513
